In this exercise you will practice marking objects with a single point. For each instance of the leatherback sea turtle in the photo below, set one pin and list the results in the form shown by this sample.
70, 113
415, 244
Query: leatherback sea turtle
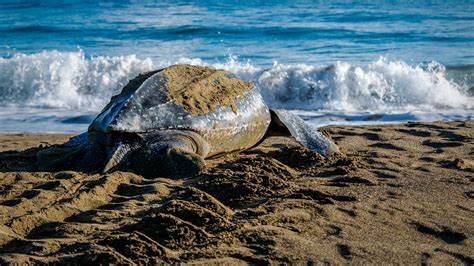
166, 122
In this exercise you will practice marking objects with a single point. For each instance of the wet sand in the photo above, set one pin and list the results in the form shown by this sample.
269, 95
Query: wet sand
398, 194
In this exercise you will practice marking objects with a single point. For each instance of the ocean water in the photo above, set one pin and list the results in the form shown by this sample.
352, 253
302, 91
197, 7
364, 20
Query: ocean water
332, 62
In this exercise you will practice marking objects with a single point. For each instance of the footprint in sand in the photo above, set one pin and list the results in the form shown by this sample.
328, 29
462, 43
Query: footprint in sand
445, 233
388, 146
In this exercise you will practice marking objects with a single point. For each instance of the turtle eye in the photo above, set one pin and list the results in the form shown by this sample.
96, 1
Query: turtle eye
157, 149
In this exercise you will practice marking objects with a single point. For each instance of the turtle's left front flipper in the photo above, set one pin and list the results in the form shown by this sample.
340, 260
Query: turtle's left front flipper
285, 123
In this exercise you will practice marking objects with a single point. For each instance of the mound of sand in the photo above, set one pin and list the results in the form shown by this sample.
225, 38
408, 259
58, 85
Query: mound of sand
399, 194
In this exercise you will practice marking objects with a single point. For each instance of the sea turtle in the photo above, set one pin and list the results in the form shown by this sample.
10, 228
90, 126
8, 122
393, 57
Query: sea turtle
166, 122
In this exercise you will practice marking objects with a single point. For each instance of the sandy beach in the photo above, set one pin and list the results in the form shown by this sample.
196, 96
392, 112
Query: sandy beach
400, 194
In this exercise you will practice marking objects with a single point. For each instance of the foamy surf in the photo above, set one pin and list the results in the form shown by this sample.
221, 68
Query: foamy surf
53, 79
61, 91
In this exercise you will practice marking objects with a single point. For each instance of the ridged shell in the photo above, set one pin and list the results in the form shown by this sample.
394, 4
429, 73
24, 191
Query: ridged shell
143, 106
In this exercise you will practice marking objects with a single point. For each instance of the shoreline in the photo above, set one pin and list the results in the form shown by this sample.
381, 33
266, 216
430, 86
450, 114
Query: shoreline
400, 193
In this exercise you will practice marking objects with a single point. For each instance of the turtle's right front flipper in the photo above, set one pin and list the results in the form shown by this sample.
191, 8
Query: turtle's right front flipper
285, 123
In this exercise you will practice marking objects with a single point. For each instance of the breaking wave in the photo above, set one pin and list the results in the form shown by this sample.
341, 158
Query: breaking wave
53, 79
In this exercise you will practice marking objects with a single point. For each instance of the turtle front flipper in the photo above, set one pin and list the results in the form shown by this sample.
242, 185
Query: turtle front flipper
81, 153
285, 123
170, 153
119, 147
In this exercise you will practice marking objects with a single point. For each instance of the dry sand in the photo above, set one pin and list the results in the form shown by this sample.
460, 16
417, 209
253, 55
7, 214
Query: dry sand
399, 194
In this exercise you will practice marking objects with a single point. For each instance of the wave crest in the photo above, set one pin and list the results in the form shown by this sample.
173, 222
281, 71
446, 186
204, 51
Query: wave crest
65, 79
381, 85
55, 79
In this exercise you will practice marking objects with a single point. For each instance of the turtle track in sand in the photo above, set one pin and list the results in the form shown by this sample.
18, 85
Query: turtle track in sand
71, 217
275, 203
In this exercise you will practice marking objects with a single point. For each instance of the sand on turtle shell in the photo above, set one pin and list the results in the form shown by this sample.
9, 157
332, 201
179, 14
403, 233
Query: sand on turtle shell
201, 89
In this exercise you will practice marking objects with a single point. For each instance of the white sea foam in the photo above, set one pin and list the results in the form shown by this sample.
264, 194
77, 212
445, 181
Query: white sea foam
380, 86
65, 81
68, 79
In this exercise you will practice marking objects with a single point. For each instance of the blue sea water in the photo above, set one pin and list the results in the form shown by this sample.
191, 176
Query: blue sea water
332, 62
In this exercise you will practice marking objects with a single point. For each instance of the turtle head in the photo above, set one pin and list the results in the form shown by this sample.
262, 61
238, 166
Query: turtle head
167, 153
170, 161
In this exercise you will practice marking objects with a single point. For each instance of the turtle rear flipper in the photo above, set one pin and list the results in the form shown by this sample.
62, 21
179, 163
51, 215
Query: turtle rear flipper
285, 123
